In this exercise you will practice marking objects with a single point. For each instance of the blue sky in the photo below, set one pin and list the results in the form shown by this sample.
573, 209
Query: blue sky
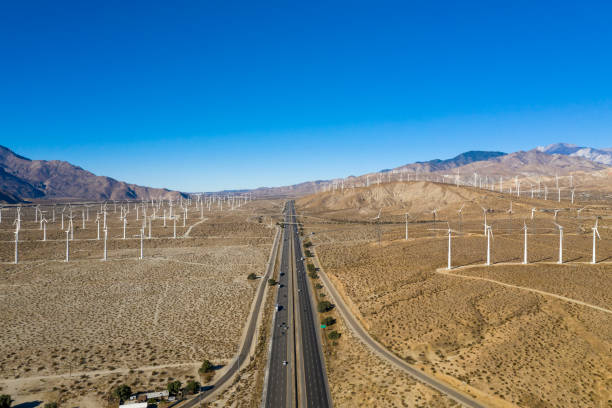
202, 95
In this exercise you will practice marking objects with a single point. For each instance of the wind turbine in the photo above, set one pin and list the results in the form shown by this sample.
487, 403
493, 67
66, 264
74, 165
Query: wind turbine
560, 243
450, 231
43, 222
509, 211
595, 232
461, 217
377, 219
556, 212
17, 243
484, 211
489, 232
105, 238
67, 245
406, 226
98, 223
533, 210
525, 243
579, 211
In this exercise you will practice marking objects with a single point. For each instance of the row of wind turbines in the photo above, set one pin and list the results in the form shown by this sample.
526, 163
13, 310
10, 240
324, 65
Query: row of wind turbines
144, 212
488, 233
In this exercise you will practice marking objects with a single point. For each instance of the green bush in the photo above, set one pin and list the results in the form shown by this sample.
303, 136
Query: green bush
307, 244
206, 367
313, 275
50, 405
174, 387
311, 268
252, 276
192, 387
308, 253
271, 282
324, 306
318, 286
123, 392
328, 321
5, 401
334, 335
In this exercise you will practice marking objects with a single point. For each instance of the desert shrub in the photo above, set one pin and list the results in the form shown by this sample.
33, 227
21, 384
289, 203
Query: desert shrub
318, 286
5, 401
307, 244
252, 276
192, 387
308, 253
50, 405
324, 306
314, 275
334, 335
272, 282
174, 387
311, 268
328, 321
123, 392
206, 367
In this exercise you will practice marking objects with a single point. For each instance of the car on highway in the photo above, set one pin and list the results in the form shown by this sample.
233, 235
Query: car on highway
278, 307
285, 362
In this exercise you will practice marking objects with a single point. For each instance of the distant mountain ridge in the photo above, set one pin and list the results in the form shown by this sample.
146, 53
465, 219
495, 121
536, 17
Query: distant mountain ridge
603, 156
457, 161
24, 179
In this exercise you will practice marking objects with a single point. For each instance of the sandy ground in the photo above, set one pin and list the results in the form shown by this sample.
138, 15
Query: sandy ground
518, 346
76, 329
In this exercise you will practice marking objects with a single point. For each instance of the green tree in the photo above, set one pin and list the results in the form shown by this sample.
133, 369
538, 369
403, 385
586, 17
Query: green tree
324, 306
334, 335
252, 276
206, 367
50, 405
192, 387
311, 268
123, 392
5, 401
174, 387
271, 282
328, 321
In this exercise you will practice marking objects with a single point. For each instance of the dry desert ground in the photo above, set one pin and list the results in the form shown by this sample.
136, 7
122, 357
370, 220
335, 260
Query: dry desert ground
511, 334
76, 329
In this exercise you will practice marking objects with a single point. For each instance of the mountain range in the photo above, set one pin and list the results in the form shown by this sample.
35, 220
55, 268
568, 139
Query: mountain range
22, 179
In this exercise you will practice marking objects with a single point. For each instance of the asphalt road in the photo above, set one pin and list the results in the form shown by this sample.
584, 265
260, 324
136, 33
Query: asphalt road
314, 374
246, 346
280, 391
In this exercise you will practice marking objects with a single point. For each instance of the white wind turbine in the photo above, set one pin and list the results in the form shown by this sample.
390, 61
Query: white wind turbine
16, 241
560, 243
406, 226
489, 233
556, 212
533, 210
579, 211
124, 225
67, 245
450, 231
595, 232
484, 211
509, 211
525, 243
461, 217
105, 238
43, 222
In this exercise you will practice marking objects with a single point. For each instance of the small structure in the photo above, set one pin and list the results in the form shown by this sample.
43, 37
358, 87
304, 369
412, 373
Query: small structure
134, 405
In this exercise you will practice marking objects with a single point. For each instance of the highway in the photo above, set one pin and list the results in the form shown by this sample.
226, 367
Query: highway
295, 339
314, 374
280, 386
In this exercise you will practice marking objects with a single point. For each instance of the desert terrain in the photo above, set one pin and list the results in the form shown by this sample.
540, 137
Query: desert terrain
518, 335
76, 329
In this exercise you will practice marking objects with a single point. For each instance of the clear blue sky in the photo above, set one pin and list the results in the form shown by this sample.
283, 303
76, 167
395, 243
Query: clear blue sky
208, 95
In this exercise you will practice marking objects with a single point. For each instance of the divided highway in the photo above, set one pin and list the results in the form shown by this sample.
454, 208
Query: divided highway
302, 382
